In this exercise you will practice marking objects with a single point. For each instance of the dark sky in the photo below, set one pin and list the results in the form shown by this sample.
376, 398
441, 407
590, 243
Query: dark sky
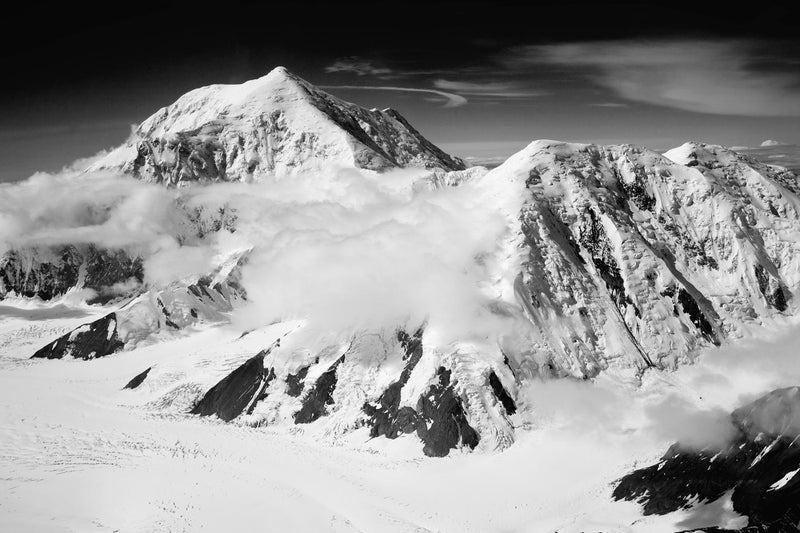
75, 78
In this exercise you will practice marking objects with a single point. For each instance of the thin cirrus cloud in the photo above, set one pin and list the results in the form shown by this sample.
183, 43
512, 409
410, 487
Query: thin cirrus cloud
451, 100
358, 66
705, 76
487, 89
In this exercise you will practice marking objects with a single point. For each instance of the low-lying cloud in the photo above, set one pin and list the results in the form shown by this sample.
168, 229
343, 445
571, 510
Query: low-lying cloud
676, 418
339, 247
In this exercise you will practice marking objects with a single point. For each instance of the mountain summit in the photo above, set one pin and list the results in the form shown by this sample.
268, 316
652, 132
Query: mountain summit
278, 124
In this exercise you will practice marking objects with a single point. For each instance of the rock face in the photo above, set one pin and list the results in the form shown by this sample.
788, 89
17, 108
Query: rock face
96, 339
626, 257
137, 380
445, 425
438, 418
50, 272
236, 392
320, 395
275, 124
760, 466
171, 308
387, 418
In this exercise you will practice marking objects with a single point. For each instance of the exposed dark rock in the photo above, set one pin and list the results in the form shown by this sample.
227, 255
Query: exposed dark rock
167, 320
637, 191
594, 240
263, 394
387, 418
319, 397
771, 289
294, 382
696, 315
759, 466
237, 391
445, 423
682, 299
48, 273
89, 341
501, 394
138, 379
439, 418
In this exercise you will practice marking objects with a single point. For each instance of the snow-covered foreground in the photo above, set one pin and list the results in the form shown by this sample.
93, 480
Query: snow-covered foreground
78, 453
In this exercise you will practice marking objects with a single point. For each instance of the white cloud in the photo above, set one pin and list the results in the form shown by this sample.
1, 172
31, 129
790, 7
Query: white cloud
676, 419
705, 76
358, 66
451, 100
488, 89
339, 247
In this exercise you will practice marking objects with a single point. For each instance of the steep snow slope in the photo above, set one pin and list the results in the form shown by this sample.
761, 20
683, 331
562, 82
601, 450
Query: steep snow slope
275, 124
625, 256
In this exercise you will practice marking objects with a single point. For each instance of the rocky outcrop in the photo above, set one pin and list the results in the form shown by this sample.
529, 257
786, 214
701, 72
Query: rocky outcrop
89, 341
295, 382
237, 392
317, 399
759, 467
439, 418
49, 272
386, 417
184, 303
276, 124
502, 394
137, 380
444, 420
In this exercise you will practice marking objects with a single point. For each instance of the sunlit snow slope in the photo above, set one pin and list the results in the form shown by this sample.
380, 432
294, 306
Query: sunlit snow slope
275, 124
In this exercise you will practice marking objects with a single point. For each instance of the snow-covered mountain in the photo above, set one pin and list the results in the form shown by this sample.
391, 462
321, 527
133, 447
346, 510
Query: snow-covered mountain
276, 124
604, 258
629, 257
611, 258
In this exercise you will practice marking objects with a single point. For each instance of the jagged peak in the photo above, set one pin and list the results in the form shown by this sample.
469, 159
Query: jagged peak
321, 127
281, 76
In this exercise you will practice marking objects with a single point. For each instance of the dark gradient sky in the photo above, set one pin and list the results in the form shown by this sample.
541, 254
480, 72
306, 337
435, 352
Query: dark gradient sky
605, 72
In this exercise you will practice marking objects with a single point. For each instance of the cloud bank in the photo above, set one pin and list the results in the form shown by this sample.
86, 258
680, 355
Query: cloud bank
340, 248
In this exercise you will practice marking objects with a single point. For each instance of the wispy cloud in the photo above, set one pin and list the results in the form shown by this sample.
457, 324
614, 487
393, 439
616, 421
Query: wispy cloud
488, 89
608, 104
718, 77
451, 100
358, 66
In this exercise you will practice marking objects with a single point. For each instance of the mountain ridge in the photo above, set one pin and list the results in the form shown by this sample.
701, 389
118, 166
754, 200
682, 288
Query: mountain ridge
278, 123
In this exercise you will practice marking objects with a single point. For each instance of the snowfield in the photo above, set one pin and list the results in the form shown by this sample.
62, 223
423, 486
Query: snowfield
78, 453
